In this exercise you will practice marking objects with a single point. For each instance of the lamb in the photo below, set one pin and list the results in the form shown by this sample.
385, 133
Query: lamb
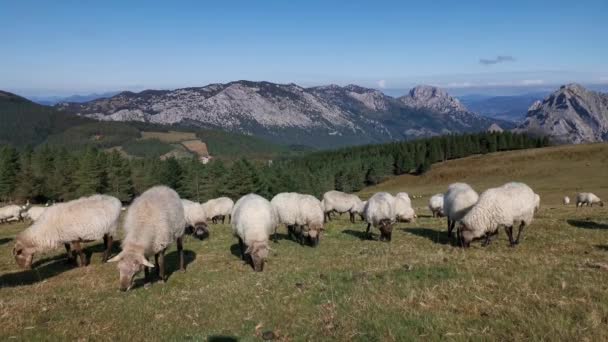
457, 201
218, 208
70, 223
340, 202
154, 220
11, 212
380, 212
34, 213
588, 199
436, 205
566, 200
253, 220
510, 205
403, 209
302, 214
196, 219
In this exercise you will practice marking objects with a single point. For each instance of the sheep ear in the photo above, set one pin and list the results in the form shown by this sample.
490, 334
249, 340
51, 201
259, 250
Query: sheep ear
116, 258
249, 250
146, 263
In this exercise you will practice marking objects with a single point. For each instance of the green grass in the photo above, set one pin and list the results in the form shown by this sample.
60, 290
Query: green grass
418, 287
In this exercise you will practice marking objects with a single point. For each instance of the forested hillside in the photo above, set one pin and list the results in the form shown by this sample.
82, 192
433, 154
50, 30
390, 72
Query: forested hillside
58, 174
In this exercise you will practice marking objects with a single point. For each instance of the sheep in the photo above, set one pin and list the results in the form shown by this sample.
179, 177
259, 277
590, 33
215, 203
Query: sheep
70, 223
302, 214
405, 197
380, 212
34, 213
506, 206
11, 212
536, 202
457, 201
196, 219
340, 202
436, 205
588, 199
253, 220
403, 209
218, 208
358, 210
566, 200
154, 220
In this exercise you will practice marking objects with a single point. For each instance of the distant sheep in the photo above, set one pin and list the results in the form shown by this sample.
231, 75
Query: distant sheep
85, 219
457, 201
512, 204
218, 209
11, 212
34, 213
588, 199
436, 205
302, 214
253, 220
566, 200
403, 209
196, 219
359, 210
154, 220
340, 202
380, 213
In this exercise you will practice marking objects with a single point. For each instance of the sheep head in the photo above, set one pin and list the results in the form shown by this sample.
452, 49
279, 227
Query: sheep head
314, 234
386, 230
258, 251
129, 265
201, 230
24, 254
466, 235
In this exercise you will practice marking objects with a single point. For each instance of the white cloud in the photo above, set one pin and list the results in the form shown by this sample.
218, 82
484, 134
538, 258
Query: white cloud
532, 82
381, 84
460, 85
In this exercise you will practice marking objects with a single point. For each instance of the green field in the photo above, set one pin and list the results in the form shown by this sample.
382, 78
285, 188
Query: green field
553, 286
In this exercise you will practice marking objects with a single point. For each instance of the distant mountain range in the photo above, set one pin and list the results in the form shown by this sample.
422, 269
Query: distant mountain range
324, 116
510, 108
53, 100
572, 114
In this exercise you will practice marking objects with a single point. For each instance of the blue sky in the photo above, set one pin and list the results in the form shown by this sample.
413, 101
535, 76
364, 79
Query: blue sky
67, 47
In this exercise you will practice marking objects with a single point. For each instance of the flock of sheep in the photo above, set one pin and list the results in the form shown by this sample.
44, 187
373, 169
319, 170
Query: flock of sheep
158, 217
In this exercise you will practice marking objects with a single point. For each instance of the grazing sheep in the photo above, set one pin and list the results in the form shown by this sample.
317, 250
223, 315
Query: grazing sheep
510, 205
218, 208
436, 205
403, 209
566, 200
405, 197
253, 220
457, 201
380, 212
359, 210
196, 219
536, 202
34, 213
82, 220
154, 220
302, 214
340, 202
588, 199
11, 212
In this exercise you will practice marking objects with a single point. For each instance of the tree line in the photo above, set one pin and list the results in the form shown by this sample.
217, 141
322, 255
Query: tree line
47, 174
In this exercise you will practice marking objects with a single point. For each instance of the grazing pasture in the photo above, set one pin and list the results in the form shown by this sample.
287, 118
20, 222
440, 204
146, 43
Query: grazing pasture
553, 286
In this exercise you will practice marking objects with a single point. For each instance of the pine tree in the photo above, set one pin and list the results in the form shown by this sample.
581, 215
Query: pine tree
27, 185
9, 165
119, 182
89, 175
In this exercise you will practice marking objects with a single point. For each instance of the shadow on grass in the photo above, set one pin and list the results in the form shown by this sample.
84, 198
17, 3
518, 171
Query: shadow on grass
5, 241
362, 235
587, 224
221, 338
431, 234
602, 247
172, 261
28, 277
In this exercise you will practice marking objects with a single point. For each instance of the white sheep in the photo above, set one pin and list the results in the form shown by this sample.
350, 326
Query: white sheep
512, 204
85, 219
218, 208
566, 200
536, 202
358, 209
457, 201
154, 220
253, 220
380, 213
340, 202
34, 213
403, 209
588, 199
196, 219
11, 212
436, 205
302, 214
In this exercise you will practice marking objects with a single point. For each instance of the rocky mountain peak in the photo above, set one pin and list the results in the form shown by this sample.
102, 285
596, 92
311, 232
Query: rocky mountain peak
433, 98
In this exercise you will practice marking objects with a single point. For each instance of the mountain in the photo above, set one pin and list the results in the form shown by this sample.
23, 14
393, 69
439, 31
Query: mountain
323, 116
572, 114
510, 108
52, 100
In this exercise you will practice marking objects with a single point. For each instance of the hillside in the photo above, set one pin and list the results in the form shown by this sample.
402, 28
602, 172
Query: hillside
322, 117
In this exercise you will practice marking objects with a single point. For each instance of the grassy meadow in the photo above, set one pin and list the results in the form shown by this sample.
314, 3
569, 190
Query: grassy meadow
553, 286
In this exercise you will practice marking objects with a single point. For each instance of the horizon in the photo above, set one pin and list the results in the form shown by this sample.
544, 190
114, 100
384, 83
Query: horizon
69, 49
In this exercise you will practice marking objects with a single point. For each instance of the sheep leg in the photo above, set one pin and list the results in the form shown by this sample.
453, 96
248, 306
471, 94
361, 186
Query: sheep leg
83, 257
229, 218
509, 231
68, 249
521, 229
369, 235
180, 250
147, 279
161, 266
352, 217
242, 248
223, 218
450, 228
108, 241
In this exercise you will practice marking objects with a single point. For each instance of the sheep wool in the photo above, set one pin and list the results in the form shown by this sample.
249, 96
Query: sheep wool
340, 202
457, 201
218, 208
380, 213
588, 199
436, 205
10, 212
566, 200
34, 213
